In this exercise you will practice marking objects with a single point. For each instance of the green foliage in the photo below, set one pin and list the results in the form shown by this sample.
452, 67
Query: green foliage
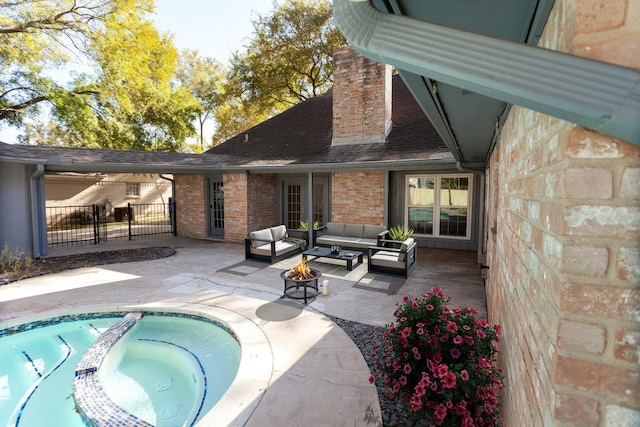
204, 78
288, 60
13, 262
304, 225
127, 102
400, 233
439, 362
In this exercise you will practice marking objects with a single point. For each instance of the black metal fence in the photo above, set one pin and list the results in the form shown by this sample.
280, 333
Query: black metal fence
92, 224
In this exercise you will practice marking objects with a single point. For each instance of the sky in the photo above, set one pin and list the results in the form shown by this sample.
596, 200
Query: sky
215, 28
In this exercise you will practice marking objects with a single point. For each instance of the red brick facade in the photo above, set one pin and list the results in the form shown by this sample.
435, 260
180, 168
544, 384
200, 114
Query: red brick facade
563, 220
191, 213
358, 197
361, 98
262, 201
236, 211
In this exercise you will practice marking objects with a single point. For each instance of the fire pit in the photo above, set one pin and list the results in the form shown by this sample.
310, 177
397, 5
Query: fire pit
299, 279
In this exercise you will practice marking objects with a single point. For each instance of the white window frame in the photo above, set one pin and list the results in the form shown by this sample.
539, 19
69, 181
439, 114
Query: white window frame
129, 186
436, 208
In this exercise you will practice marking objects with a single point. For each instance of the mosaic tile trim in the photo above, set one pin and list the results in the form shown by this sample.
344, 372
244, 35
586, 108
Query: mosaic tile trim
94, 405
24, 327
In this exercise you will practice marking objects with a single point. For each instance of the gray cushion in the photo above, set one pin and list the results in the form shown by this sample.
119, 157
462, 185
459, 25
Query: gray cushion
260, 234
279, 232
372, 231
335, 228
353, 230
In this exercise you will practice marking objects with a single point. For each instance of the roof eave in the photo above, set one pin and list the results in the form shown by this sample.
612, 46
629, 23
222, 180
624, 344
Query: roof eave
598, 95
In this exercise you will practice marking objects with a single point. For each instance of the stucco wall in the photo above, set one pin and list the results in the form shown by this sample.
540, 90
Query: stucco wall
66, 191
15, 208
563, 223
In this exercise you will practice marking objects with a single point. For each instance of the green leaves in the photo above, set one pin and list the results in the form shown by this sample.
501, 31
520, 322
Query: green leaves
129, 100
288, 60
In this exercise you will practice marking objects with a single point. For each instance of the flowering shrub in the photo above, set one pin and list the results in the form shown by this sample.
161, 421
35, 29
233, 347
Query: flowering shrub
439, 361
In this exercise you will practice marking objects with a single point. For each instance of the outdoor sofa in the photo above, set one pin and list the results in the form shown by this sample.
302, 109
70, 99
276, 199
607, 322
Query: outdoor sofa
352, 236
272, 244
393, 258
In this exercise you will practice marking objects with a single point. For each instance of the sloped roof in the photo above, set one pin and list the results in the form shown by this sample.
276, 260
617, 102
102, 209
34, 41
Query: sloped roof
298, 139
96, 160
302, 136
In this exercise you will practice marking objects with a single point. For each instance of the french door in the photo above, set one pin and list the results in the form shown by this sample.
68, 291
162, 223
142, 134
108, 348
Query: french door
216, 207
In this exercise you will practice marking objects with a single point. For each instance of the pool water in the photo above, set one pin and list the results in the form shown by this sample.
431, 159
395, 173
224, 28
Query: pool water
166, 370
37, 369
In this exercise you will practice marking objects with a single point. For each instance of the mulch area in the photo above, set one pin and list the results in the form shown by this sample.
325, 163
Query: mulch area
59, 263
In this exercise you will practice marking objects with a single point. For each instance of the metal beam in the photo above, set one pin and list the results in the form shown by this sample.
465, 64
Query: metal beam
597, 95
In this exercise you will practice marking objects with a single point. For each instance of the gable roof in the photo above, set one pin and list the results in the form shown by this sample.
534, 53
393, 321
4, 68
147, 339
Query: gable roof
301, 136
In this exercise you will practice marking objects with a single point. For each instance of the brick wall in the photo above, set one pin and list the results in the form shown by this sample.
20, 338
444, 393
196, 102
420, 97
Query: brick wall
262, 201
358, 197
564, 259
235, 206
191, 212
361, 98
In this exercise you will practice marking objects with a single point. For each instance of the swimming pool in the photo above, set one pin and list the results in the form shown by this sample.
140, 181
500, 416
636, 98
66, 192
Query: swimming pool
160, 371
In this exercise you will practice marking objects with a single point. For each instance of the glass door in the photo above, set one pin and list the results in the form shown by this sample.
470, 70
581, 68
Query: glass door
216, 207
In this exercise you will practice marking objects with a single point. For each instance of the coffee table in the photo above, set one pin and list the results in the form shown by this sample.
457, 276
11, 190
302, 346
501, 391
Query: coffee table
344, 255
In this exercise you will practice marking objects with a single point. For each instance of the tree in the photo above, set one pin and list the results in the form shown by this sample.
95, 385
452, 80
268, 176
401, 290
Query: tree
127, 101
203, 77
288, 60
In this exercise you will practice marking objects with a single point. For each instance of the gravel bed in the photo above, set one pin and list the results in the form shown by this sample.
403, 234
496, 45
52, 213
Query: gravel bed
56, 264
394, 414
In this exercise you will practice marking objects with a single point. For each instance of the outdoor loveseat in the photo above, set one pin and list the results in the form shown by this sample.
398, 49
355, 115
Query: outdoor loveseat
272, 244
352, 236
393, 260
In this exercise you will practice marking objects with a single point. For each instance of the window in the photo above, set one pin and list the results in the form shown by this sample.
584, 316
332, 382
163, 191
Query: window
133, 190
439, 205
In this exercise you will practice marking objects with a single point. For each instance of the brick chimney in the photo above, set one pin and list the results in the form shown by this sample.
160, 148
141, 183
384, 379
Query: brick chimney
361, 99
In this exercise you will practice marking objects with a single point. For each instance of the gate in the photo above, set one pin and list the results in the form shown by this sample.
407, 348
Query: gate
90, 224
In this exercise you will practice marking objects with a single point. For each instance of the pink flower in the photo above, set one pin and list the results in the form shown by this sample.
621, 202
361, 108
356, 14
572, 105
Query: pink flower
416, 404
466, 327
449, 380
405, 298
458, 339
440, 413
402, 380
464, 375
455, 353
407, 369
420, 331
469, 340
420, 390
405, 333
429, 307
414, 305
372, 379
441, 371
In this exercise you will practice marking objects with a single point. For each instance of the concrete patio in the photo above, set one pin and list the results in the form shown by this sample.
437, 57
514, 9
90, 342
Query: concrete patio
318, 376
